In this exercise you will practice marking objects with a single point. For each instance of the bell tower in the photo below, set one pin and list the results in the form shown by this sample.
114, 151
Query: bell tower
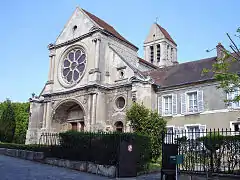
159, 48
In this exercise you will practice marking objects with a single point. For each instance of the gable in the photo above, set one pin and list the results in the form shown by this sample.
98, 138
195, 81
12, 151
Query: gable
160, 33
78, 24
108, 28
86, 22
154, 30
124, 58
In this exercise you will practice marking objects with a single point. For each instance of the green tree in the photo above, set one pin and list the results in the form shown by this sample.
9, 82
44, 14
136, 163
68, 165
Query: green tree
21, 111
147, 122
7, 123
223, 69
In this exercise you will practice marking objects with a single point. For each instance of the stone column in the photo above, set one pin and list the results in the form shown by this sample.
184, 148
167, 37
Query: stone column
164, 52
89, 119
44, 115
51, 65
94, 73
97, 53
175, 55
94, 109
169, 54
145, 53
48, 116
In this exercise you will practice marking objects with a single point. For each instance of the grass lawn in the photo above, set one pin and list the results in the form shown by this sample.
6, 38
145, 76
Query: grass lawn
154, 166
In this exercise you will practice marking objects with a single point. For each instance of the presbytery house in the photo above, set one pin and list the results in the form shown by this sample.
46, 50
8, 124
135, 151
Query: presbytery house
95, 74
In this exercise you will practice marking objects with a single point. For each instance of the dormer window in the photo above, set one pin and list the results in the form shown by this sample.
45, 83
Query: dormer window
158, 53
151, 54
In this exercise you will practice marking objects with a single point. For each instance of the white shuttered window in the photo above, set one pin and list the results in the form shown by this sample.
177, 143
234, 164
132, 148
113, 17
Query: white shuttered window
169, 105
192, 102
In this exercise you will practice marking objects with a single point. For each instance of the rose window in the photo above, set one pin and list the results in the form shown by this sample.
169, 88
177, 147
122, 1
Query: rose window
74, 65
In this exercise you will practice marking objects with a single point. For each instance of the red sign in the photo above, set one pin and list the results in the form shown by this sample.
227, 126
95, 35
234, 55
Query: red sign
130, 148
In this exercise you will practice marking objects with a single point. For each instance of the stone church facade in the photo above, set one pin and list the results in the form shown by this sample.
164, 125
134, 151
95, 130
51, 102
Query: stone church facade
95, 74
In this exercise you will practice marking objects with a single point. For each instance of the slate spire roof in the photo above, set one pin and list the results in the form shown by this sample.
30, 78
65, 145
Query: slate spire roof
187, 73
166, 34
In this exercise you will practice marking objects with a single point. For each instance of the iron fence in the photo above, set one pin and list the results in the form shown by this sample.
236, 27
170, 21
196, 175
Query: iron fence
100, 148
211, 151
49, 139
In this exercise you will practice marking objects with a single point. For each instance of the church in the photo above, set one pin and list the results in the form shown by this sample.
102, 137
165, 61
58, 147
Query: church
95, 74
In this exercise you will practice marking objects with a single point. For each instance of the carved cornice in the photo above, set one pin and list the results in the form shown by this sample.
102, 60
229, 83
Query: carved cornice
49, 82
55, 46
120, 80
94, 70
122, 67
88, 88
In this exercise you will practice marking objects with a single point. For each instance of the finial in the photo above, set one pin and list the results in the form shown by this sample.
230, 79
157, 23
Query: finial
156, 20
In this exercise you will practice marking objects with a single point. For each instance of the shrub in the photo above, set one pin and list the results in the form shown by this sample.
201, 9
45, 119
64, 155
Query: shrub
213, 141
145, 121
102, 148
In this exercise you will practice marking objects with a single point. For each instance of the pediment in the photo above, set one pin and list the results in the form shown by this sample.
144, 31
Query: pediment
154, 34
78, 25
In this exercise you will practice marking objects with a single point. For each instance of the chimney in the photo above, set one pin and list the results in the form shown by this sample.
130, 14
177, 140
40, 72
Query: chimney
220, 51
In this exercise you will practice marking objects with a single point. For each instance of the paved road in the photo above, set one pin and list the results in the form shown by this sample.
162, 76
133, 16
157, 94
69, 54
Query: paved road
18, 169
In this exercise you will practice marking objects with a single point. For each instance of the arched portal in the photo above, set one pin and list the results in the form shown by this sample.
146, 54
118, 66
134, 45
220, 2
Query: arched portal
119, 126
69, 115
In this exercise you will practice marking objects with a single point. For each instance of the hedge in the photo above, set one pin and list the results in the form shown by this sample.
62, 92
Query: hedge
102, 148
99, 148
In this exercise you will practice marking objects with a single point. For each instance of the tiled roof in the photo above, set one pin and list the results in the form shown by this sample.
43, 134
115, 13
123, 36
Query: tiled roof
185, 73
147, 63
108, 28
166, 34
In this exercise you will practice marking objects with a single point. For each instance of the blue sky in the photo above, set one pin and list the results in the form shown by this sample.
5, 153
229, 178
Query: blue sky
27, 27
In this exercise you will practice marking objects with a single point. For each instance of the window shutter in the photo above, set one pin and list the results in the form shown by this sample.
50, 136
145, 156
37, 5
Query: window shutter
183, 103
160, 105
200, 101
174, 104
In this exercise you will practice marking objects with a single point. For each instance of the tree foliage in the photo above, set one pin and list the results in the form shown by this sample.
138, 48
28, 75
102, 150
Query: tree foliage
228, 80
7, 123
21, 115
147, 122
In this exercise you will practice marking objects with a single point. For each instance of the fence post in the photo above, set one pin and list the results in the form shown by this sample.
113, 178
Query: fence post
211, 154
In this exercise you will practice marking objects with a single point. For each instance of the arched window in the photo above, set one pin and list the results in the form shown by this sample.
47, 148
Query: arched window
152, 53
172, 54
158, 52
119, 126
168, 52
